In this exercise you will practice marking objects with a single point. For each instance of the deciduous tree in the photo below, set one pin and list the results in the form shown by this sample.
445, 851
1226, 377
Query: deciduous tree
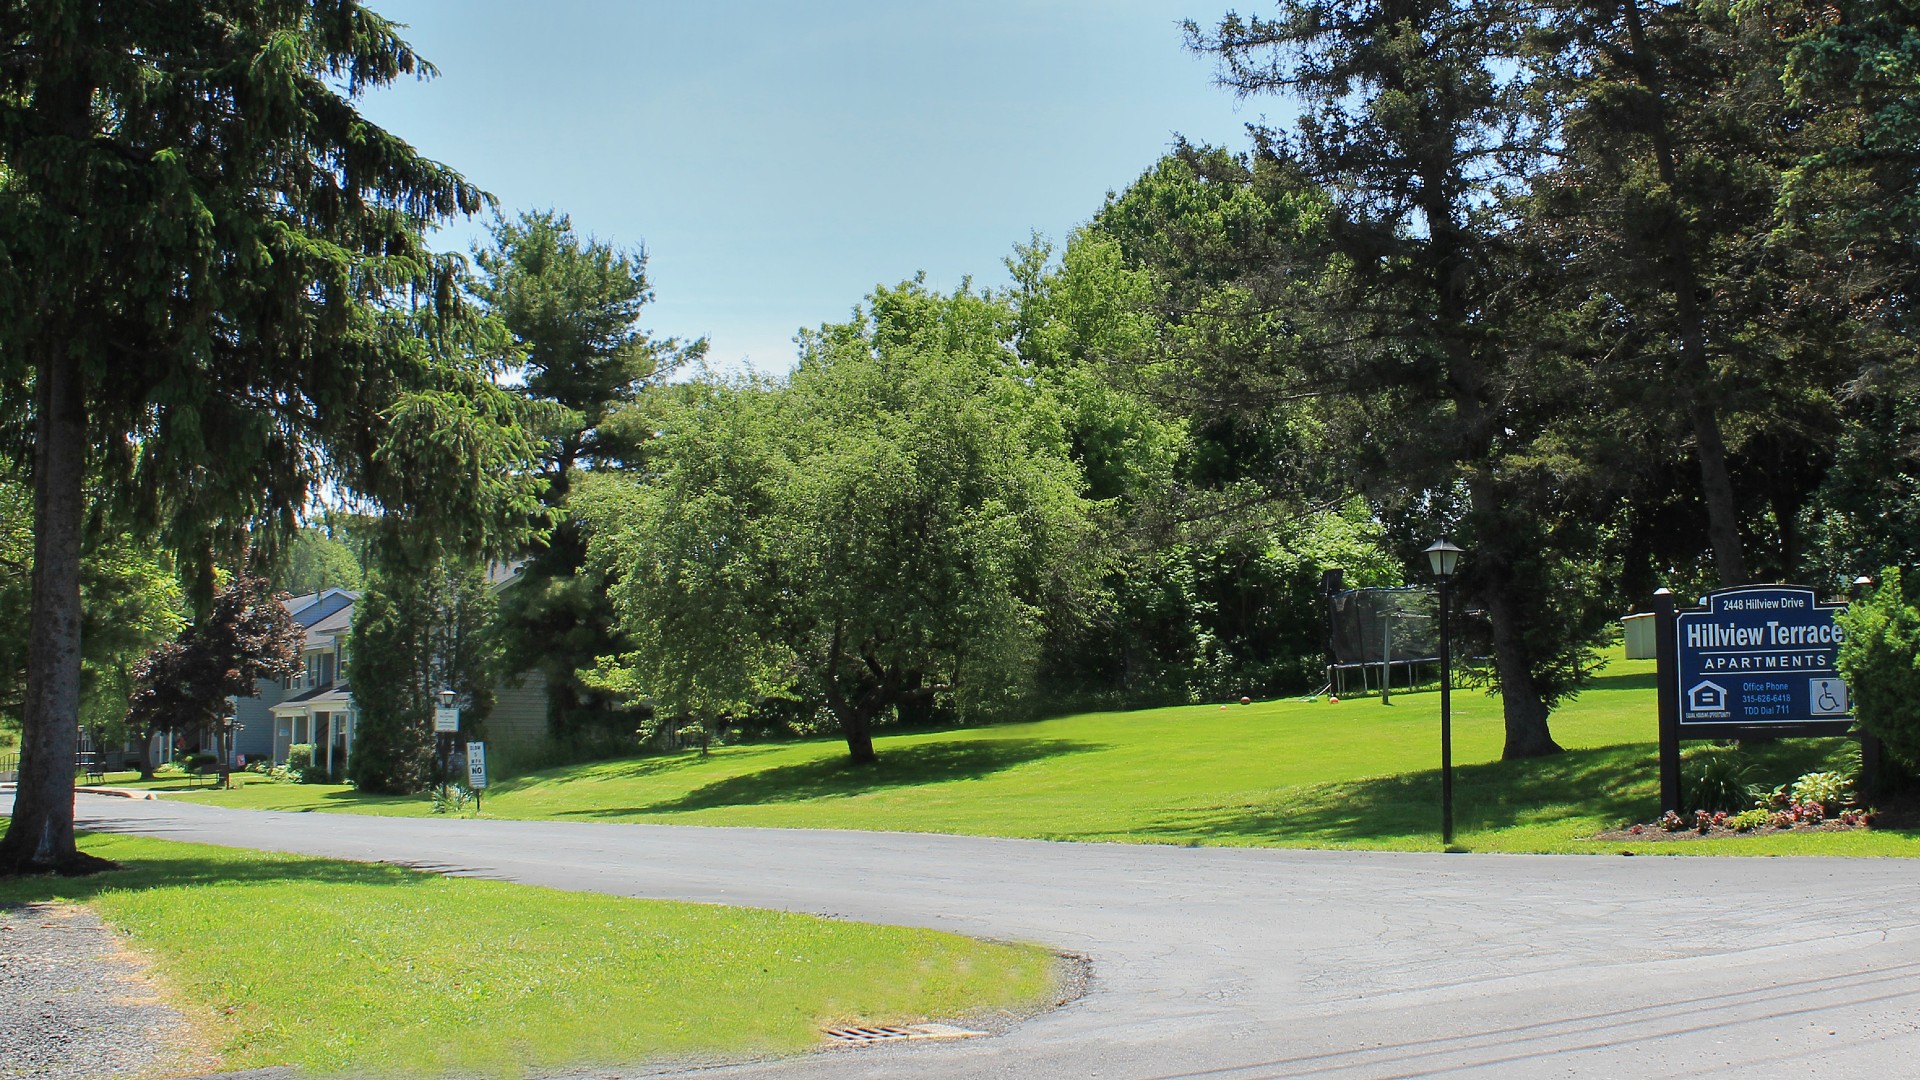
246, 635
893, 525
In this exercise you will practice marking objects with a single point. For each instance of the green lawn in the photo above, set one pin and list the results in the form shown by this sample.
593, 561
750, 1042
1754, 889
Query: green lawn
1279, 773
378, 971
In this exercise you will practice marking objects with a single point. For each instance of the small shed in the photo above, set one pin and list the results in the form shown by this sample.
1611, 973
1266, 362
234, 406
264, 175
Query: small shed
1640, 636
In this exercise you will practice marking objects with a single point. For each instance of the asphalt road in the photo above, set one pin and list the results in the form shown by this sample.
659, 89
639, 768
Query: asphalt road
1248, 964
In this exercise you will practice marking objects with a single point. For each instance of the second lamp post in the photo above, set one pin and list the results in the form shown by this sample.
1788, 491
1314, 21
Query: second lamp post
1442, 559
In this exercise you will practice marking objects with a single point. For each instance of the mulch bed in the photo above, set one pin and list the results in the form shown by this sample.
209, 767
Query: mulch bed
1897, 811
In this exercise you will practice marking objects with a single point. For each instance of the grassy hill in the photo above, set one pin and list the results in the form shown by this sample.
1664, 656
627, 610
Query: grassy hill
1297, 773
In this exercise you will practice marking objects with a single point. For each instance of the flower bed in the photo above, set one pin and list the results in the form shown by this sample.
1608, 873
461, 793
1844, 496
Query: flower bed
1796, 817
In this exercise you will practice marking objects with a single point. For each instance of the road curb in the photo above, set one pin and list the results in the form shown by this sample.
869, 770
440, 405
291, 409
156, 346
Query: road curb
118, 793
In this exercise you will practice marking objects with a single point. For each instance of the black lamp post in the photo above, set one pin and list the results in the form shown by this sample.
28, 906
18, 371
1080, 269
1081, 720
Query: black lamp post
443, 741
228, 722
1443, 558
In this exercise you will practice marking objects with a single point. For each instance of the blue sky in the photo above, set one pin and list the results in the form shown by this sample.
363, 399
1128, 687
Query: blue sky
778, 160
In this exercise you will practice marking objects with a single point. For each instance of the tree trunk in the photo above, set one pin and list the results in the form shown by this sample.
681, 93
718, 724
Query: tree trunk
856, 719
858, 728
1521, 704
1786, 517
40, 837
855, 716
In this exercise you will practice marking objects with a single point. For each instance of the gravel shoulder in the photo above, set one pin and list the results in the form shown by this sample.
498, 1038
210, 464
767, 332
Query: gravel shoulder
76, 1004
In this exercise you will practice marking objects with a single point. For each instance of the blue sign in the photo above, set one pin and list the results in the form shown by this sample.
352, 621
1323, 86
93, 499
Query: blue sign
1761, 655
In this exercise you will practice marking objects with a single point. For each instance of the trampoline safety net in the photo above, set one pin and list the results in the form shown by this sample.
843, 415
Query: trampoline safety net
1397, 625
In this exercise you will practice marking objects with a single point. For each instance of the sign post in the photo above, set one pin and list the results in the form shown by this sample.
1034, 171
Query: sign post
1758, 660
477, 771
446, 728
1668, 699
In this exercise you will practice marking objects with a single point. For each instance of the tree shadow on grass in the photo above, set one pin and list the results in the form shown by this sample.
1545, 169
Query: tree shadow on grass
837, 777
166, 864
1613, 783
632, 768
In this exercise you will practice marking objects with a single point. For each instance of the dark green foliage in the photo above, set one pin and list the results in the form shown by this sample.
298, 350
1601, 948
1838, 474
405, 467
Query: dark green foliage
1717, 778
393, 750
1880, 659
1867, 511
214, 298
1405, 310
573, 308
216, 242
1855, 66
417, 631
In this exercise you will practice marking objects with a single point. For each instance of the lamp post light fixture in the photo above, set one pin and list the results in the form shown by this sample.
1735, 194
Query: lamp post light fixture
1443, 558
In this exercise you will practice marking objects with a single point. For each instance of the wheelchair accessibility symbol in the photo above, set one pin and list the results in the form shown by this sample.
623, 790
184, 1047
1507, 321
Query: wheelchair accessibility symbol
1827, 697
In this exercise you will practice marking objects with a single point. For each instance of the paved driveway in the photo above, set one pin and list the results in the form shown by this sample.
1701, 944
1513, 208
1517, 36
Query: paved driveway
1243, 964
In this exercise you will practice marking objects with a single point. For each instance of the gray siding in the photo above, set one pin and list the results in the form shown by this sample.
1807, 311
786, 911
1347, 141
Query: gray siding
254, 734
519, 712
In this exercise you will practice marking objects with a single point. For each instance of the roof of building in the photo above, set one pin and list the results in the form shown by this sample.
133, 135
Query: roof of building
331, 694
333, 625
313, 607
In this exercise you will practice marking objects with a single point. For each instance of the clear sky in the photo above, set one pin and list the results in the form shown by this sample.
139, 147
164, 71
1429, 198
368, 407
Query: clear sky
779, 159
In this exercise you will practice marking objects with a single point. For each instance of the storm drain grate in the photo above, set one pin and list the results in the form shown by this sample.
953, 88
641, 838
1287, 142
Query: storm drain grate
867, 1036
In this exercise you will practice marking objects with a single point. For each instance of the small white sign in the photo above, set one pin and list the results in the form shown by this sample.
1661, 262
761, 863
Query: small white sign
477, 766
445, 720
1827, 697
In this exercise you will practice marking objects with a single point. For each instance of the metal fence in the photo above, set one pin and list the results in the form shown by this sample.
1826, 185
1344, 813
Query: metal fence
9, 768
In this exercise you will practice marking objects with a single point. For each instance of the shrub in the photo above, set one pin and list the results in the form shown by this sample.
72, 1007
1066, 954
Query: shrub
300, 757
450, 798
1880, 660
1748, 820
1826, 790
1716, 777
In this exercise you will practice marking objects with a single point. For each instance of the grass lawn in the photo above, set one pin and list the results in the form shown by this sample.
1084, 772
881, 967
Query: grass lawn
376, 970
1293, 773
